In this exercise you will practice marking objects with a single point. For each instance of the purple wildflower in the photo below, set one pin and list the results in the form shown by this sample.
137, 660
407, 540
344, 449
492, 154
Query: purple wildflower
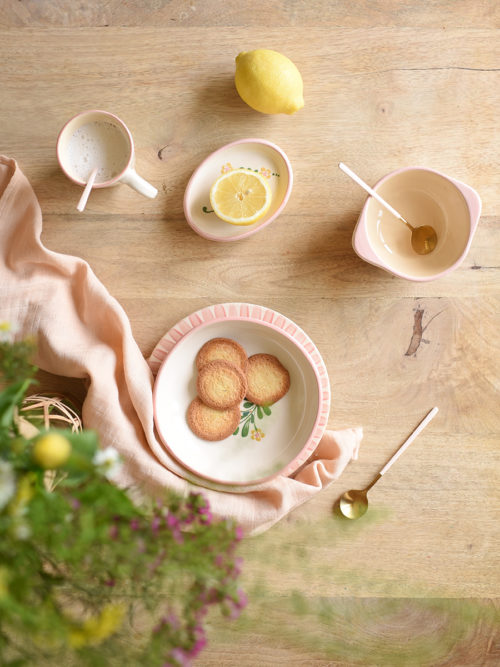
205, 515
155, 524
174, 524
169, 619
180, 657
235, 570
199, 645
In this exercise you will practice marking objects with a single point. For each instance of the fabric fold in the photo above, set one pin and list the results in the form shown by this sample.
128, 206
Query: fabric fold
83, 332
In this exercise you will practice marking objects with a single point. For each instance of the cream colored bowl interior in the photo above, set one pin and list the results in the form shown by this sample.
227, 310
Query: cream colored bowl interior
423, 198
237, 459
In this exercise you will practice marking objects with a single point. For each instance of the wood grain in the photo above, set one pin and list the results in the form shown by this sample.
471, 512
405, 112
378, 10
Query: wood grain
387, 84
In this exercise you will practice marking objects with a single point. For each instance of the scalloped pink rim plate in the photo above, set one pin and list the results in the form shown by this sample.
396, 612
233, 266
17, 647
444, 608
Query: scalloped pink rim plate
290, 433
255, 154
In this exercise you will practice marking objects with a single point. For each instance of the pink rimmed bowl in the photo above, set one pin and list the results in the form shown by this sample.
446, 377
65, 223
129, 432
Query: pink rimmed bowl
424, 197
255, 154
276, 441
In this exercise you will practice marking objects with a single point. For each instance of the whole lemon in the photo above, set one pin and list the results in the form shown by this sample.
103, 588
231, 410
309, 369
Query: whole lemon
268, 82
51, 450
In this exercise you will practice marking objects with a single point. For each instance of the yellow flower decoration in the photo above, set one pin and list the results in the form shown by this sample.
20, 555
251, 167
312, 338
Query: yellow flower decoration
257, 434
265, 172
98, 628
226, 167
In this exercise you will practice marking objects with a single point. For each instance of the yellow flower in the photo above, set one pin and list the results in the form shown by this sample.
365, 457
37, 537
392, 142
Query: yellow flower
24, 493
265, 172
7, 332
226, 167
257, 434
98, 628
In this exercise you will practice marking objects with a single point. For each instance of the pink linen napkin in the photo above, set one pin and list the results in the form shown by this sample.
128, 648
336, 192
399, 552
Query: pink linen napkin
83, 332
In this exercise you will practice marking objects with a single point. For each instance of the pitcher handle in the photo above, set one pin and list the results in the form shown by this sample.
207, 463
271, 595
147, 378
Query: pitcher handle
132, 178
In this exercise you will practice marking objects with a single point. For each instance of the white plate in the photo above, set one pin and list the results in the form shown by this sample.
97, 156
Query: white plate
255, 154
278, 441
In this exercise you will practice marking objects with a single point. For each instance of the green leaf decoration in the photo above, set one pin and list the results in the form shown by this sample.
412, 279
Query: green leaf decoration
267, 410
9, 399
252, 419
247, 404
237, 431
259, 412
245, 429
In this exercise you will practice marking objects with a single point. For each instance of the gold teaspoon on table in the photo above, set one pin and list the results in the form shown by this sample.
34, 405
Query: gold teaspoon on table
354, 503
423, 239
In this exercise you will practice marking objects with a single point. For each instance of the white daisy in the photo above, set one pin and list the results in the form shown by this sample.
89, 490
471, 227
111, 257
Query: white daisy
7, 332
108, 461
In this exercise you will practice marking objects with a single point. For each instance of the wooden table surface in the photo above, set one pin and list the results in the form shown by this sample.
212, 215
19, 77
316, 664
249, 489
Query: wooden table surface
387, 84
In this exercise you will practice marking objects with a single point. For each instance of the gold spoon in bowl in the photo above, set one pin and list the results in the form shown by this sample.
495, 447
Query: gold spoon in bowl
423, 239
354, 503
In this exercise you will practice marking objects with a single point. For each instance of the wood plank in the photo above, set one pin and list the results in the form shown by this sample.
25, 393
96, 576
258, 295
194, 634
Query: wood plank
387, 84
353, 631
171, 13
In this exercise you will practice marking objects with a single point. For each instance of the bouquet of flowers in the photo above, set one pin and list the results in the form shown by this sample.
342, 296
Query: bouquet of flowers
87, 575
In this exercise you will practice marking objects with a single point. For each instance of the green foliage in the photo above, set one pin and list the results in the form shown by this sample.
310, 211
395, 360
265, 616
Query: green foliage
89, 577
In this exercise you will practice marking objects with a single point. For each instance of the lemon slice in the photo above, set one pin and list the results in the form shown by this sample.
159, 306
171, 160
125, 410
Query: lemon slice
240, 197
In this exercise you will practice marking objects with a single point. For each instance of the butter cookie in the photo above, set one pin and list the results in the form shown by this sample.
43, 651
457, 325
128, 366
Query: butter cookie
221, 385
210, 424
222, 349
268, 380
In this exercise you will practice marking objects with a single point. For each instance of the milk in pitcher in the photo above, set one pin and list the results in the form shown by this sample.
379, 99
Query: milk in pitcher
98, 144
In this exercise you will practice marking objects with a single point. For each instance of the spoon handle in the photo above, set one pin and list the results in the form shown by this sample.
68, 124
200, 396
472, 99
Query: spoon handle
408, 442
370, 190
85, 195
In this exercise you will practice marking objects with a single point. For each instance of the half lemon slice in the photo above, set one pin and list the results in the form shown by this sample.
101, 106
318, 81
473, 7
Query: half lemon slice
240, 197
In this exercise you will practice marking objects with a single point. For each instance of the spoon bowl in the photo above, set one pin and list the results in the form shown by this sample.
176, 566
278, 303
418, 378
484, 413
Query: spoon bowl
354, 503
423, 239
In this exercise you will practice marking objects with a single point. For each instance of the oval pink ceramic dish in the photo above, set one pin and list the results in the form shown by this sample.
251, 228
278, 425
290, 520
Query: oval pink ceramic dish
269, 441
255, 154
423, 197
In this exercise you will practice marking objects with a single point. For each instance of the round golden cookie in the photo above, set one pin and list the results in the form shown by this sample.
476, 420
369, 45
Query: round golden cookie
268, 380
210, 424
222, 349
221, 385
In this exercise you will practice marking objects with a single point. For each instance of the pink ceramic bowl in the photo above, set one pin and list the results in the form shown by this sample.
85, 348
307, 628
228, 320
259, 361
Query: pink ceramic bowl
424, 197
270, 441
255, 154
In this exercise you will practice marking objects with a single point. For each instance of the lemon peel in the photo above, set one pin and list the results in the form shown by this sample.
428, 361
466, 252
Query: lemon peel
268, 82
